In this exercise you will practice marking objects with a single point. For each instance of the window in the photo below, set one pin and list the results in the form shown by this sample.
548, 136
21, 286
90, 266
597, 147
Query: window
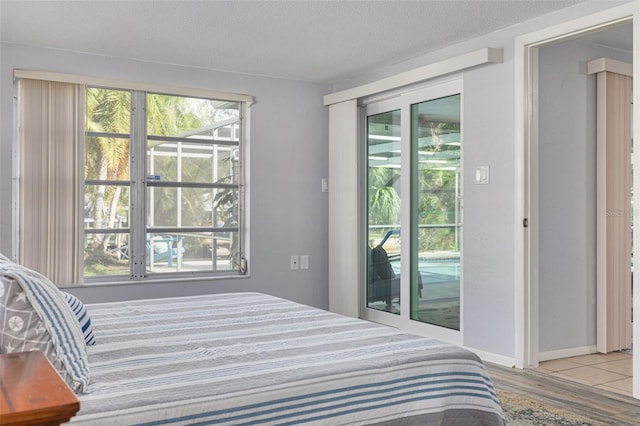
160, 185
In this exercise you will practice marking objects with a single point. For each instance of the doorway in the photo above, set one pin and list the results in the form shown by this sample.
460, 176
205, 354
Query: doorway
571, 246
559, 296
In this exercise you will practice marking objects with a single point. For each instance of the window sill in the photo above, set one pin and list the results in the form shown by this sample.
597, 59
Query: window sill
160, 280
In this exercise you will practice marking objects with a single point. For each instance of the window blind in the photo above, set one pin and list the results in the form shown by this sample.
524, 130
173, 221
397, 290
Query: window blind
50, 135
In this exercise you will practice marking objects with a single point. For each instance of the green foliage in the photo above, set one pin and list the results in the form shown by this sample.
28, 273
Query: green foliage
99, 262
175, 115
106, 158
384, 200
385, 206
438, 171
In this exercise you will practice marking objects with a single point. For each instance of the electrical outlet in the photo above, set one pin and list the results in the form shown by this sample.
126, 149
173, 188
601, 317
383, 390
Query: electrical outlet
295, 262
304, 262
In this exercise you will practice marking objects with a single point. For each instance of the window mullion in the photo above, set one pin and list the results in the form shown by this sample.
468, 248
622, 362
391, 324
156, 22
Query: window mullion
138, 181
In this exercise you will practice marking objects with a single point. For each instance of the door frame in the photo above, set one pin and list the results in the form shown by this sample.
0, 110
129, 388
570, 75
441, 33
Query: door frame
526, 238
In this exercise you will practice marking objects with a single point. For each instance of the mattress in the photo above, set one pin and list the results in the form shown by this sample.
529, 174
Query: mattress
251, 358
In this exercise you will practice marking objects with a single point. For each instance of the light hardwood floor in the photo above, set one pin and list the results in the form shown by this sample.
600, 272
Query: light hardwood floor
601, 405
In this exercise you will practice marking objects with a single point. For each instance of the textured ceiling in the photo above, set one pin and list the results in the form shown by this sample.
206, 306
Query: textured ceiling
322, 41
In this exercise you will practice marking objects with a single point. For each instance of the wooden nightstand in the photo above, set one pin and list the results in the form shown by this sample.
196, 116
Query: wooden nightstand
32, 392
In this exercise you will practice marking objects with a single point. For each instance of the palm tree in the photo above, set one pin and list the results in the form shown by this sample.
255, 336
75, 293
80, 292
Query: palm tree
383, 201
107, 158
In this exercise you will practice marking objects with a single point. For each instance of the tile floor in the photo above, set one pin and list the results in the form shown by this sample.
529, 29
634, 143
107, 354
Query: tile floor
612, 371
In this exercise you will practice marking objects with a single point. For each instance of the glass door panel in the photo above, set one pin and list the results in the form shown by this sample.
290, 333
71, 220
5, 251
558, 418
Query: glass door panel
383, 211
436, 212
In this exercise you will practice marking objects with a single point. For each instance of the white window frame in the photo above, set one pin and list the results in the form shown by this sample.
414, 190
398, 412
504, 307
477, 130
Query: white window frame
138, 275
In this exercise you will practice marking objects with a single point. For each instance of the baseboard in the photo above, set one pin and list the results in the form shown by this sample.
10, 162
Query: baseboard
505, 361
542, 356
567, 353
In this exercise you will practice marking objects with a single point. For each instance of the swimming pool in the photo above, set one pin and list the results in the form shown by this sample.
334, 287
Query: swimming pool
433, 271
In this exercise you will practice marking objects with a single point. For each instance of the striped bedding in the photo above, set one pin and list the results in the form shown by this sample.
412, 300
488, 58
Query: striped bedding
250, 358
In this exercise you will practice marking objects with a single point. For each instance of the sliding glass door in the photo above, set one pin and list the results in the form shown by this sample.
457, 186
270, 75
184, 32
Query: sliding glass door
436, 219
414, 211
383, 230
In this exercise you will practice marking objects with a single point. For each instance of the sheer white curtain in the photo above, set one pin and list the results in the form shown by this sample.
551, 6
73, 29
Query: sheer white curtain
50, 145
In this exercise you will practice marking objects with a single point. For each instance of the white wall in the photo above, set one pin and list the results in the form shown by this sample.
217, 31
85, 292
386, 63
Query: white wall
490, 225
567, 185
288, 158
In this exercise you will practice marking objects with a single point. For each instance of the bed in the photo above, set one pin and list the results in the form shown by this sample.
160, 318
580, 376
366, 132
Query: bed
251, 358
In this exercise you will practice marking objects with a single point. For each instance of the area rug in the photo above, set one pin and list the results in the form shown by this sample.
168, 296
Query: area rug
522, 411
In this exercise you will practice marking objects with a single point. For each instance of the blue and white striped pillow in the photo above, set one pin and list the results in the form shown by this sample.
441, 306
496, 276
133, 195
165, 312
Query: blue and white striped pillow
84, 319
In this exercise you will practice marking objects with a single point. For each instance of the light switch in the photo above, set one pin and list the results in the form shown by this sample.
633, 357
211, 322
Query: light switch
482, 175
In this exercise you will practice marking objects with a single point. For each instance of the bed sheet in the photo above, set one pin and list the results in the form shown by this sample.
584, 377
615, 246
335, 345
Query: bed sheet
251, 358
